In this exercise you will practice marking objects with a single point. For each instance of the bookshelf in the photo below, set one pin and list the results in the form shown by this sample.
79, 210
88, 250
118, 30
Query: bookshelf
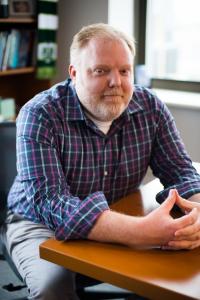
18, 21
21, 83
26, 70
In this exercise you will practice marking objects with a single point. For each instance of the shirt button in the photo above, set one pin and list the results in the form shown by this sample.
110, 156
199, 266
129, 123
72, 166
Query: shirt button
105, 173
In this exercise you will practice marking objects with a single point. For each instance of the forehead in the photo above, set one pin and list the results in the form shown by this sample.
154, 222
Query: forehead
107, 50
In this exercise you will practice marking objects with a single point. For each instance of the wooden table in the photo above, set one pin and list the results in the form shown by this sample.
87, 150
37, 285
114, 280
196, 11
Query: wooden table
156, 274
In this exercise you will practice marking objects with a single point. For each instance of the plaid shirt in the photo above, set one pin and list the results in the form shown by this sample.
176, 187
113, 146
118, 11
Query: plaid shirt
69, 171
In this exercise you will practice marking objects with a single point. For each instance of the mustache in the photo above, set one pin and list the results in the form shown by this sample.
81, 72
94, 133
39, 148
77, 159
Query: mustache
113, 92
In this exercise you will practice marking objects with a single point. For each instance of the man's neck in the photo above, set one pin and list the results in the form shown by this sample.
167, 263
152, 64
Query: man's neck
104, 126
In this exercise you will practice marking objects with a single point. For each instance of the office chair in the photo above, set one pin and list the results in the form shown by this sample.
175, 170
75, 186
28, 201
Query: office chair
7, 175
7, 163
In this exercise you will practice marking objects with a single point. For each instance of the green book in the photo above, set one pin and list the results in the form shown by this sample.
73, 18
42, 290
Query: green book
7, 109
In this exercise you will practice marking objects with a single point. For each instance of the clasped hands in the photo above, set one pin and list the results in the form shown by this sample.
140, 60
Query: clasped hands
175, 234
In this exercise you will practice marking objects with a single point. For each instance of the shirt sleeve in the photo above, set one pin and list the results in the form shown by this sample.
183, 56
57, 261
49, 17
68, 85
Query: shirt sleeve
170, 161
48, 196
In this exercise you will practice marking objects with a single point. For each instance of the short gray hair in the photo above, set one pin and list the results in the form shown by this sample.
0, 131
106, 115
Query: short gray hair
101, 30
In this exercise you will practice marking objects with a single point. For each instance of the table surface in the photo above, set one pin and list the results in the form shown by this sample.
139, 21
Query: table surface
152, 273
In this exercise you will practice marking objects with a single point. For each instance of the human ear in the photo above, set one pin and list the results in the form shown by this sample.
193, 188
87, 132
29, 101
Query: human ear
72, 73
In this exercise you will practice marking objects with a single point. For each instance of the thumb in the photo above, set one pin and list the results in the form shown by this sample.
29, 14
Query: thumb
170, 201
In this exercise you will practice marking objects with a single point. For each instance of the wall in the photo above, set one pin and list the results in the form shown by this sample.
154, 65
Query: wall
188, 123
185, 107
73, 14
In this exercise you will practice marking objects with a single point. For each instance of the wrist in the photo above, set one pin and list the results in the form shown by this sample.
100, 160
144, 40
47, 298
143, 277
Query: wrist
118, 228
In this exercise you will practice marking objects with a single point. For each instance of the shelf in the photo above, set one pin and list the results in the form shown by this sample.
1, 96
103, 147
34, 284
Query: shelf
17, 71
18, 20
12, 80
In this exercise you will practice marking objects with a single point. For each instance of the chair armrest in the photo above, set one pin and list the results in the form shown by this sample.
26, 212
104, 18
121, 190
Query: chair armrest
3, 207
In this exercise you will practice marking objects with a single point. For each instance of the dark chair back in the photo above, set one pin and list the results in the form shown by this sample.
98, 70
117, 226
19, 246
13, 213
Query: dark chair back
7, 162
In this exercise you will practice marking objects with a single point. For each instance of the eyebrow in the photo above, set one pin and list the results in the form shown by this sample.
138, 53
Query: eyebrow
100, 66
108, 66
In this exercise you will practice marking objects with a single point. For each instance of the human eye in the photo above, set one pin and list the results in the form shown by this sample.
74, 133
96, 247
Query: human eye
125, 71
100, 71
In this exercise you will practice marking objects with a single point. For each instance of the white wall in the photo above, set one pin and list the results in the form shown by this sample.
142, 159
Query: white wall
185, 107
188, 123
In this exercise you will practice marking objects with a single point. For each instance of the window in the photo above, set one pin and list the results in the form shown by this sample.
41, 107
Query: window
120, 14
173, 39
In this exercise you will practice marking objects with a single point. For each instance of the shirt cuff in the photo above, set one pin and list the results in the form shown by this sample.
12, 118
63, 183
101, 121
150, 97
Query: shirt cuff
185, 190
80, 221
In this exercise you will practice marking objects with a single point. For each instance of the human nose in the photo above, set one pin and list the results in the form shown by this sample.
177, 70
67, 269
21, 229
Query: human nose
115, 79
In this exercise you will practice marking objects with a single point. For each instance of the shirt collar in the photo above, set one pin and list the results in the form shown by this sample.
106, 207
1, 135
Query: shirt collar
134, 105
74, 109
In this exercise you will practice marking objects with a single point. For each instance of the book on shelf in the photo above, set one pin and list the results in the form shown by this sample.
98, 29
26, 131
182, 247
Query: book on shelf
26, 48
16, 48
7, 109
3, 39
6, 52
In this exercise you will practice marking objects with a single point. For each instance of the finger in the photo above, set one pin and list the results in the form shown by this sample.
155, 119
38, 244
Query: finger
170, 200
184, 244
191, 237
180, 204
183, 203
187, 220
188, 230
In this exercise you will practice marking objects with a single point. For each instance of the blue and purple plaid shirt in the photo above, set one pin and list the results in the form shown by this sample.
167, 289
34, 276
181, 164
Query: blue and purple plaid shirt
69, 171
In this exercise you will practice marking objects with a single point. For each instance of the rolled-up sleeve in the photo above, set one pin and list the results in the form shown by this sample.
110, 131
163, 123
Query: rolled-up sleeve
170, 161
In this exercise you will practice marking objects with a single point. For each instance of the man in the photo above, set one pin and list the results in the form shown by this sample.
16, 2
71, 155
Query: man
82, 145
